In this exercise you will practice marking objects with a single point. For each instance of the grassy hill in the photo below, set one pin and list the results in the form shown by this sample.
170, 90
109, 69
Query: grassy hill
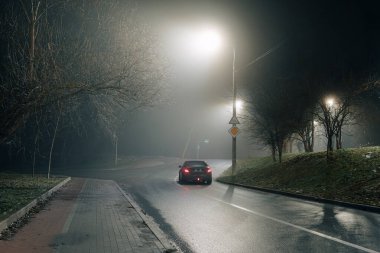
351, 175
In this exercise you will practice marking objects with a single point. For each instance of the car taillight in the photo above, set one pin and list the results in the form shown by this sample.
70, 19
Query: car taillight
186, 170
208, 170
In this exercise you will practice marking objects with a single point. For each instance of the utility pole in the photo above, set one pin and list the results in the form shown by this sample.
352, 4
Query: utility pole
199, 146
233, 110
234, 120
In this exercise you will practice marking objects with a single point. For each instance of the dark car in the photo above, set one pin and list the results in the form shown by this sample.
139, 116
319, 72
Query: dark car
196, 172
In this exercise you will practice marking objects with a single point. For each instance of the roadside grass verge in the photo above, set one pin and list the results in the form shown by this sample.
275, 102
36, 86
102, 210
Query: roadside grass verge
351, 175
18, 190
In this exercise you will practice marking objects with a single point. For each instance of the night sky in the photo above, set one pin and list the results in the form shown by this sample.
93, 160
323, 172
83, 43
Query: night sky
324, 32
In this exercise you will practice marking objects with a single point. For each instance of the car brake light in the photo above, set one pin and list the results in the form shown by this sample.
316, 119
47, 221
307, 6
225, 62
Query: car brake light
186, 170
208, 170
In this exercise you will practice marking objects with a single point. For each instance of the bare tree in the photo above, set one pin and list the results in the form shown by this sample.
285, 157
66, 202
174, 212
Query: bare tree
338, 110
271, 119
261, 131
304, 97
106, 54
25, 72
307, 135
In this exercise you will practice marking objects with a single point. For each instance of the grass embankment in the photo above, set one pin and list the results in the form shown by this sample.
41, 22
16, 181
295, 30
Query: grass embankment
17, 190
351, 175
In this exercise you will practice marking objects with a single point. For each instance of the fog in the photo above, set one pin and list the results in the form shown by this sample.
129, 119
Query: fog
200, 86
195, 101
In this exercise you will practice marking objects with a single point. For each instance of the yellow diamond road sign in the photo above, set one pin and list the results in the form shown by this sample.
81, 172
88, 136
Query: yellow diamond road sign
234, 131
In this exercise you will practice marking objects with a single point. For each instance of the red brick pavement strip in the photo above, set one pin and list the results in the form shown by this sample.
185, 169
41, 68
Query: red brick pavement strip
37, 235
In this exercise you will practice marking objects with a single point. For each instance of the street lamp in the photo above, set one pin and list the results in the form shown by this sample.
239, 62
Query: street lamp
239, 105
209, 40
206, 141
206, 41
330, 102
234, 121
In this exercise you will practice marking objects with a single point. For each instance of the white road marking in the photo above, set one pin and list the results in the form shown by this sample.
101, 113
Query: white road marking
300, 228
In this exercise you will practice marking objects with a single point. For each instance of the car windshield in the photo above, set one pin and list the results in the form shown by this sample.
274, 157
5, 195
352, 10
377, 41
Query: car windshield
194, 163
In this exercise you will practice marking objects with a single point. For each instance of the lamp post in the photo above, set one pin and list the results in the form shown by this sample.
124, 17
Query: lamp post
212, 38
209, 40
234, 130
234, 120
199, 146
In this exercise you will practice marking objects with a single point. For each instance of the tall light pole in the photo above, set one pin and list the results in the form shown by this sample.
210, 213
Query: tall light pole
233, 111
209, 40
234, 120
199, 146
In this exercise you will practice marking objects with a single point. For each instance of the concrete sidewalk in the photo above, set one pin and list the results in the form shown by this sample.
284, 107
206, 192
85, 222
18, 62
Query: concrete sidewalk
98, 217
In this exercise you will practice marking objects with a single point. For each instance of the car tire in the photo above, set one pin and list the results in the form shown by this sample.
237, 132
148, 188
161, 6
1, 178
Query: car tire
209, 181
180, 180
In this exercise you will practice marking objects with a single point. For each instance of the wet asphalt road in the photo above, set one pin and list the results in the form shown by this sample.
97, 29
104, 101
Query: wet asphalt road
222, 218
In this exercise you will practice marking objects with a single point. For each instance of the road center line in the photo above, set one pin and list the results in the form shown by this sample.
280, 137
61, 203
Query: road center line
300, 228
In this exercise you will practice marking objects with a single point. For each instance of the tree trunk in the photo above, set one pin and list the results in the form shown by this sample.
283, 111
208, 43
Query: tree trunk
32, 40
338, 140
273, 153
312, 136
305, 143
330, 142
63, 150
330, 147
116, 142
285, 146
52, 144
280, 153
31, 51
288, 145
34, 153
305, 146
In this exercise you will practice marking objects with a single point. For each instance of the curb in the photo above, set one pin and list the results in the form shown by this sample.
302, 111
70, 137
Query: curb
168, 246
20, 213
367, 208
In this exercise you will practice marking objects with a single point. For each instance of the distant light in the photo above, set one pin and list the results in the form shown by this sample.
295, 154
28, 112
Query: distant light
207, 40
212, 39
330, 102
206, 141
239, 104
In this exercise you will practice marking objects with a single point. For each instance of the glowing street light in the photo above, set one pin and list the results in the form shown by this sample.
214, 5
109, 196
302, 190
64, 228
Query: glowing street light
207, 41
330, 102
210, 39
239, 105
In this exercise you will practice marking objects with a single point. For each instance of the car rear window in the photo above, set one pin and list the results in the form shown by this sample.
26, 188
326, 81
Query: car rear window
195, 163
